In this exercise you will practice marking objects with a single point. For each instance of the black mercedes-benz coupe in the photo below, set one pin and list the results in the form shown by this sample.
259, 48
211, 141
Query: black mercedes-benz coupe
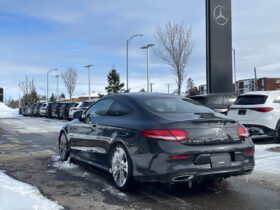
157, 138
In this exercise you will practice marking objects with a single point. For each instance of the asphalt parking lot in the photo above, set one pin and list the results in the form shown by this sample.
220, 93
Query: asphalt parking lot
30, 155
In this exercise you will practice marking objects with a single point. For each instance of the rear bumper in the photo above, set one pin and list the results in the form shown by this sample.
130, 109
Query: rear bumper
197, 174
199, 165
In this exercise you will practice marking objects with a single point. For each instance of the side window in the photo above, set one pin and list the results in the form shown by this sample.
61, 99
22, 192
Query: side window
100, 108
217, 100
118, 109
277, 99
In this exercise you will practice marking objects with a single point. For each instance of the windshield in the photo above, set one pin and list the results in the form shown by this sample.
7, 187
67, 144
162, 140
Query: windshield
250, 100
173, 105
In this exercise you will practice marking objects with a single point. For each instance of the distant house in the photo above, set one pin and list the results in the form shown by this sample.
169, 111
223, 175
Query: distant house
248, 85
264, 84
93, 95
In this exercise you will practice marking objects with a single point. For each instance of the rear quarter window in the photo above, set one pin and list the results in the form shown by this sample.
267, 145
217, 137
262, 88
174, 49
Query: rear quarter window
250, 100
173, 105
277, 99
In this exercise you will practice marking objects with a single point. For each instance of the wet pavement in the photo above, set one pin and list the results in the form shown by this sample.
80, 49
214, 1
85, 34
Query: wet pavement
32, 158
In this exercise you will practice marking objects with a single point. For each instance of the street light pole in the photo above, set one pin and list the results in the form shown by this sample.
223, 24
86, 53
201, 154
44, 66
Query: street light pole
168, 87
19, 99
57, 86
48, 82
235, 89
148, 76
5, 93
88, 67
127, 43
44, 91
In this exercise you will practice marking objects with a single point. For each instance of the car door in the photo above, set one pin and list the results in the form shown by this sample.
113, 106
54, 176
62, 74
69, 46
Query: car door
84, 136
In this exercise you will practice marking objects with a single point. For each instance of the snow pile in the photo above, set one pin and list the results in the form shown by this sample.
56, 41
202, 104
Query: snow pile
266, 160
7, 112
57, 163
18, 195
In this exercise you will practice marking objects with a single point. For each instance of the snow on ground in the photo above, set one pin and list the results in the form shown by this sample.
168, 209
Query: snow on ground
267, 160
16, 195
7, 112
26, 125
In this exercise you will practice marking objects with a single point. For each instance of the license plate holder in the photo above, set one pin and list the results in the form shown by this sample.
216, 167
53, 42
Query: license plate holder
242, 111
220, 160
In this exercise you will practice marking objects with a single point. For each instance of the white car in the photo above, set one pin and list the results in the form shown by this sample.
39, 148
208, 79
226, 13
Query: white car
258, 111
84, 105
43, 109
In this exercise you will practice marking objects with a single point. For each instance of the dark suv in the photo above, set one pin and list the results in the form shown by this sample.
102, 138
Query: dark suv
219, 102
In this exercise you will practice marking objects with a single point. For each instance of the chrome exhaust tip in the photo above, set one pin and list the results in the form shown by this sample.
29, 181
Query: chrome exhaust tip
182, 178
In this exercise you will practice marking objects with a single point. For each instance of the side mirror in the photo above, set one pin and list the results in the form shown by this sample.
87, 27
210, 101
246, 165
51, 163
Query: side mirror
79, 115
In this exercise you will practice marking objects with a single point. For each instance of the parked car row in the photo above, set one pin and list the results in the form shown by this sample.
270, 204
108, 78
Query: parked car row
258, 111
60, 110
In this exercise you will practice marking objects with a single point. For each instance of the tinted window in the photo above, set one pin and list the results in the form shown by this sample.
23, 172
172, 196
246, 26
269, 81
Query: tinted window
173, 105
200, 99
100, 108
250, 100
277, 99
217, 100
86, 104
118, 109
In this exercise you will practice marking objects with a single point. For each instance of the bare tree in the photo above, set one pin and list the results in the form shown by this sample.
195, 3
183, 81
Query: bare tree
174, 48
69, 78
29, 91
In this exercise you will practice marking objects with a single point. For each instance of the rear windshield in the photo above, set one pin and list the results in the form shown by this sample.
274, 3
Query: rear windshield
173, 105
86, 104
213, 100
250, 100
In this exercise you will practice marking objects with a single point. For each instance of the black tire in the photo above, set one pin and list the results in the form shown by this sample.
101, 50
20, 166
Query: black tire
121, 168
63, 147
277, 132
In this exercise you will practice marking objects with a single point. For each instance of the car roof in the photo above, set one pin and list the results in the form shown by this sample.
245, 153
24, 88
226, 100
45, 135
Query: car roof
137, 95
214, 94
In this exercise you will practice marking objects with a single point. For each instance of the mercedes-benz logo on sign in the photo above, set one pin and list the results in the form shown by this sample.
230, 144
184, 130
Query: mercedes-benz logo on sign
219, 15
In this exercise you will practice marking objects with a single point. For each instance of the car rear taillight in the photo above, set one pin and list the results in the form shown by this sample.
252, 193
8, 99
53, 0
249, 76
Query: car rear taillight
249, 152
166, 135
262, 109
243, 132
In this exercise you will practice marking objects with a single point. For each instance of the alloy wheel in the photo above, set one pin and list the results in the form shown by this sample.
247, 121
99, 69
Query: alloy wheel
63, 147
119, 163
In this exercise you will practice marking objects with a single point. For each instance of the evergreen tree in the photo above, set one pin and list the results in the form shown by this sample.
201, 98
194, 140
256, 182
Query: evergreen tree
191, 88
142, 90
62, 95
52, 98
114, 84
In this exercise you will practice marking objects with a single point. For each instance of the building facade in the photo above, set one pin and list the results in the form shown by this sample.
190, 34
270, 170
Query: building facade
248, 85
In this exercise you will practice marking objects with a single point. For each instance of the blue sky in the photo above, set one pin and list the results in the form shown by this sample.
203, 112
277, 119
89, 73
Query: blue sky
36, 36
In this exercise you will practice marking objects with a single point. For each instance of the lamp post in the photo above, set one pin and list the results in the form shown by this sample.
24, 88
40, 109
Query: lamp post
147, 48
127, 43
168, 85
88, 67
234, 68
44, 89
5, 94
19, 99
57, 76
48, 82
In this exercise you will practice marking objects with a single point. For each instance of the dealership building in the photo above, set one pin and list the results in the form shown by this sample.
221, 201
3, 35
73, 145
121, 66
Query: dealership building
248, 85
